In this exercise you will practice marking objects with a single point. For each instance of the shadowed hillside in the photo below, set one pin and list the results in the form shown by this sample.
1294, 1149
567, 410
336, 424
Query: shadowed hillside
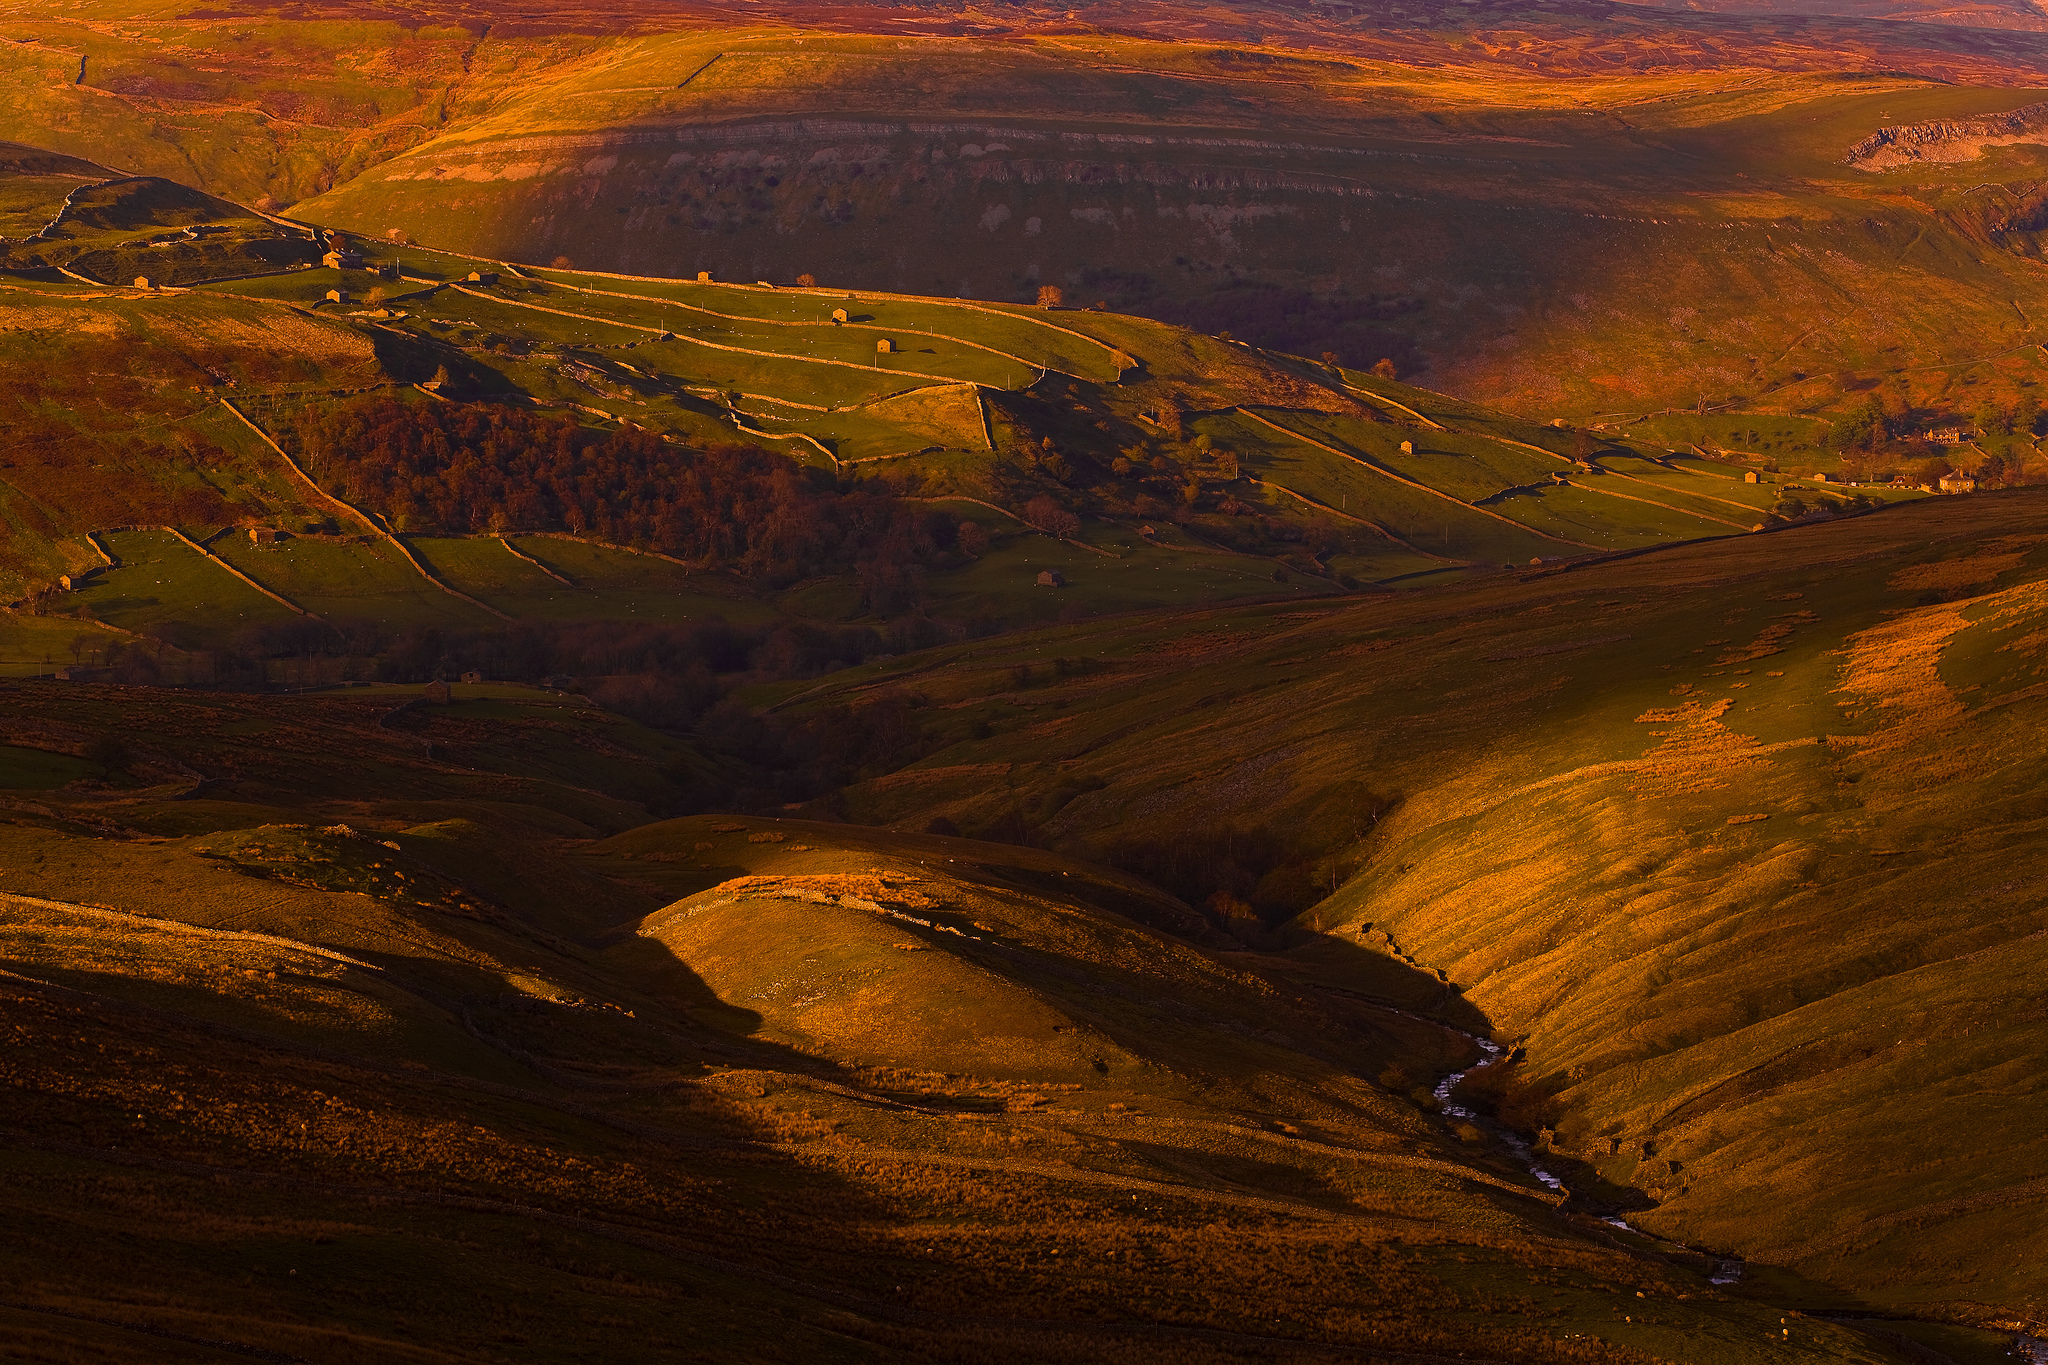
1588, 209
1769, 802
368, 1044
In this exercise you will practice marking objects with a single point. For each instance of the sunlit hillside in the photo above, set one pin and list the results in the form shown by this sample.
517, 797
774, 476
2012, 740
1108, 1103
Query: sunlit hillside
1604, 213
373, 1055
256, 455
1341, 683
1732, 842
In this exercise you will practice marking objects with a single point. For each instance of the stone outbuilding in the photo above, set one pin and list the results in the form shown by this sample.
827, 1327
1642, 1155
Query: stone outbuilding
342, 258
884, 346
436, 693
1051, 578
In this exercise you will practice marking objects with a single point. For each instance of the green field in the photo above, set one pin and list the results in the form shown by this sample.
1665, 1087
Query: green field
160, 578
1278, 466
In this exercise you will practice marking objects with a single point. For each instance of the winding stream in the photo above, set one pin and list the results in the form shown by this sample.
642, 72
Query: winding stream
1727, 1269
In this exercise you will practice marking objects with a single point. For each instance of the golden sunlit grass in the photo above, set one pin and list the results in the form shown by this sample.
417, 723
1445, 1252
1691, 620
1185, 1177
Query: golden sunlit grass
1767, 802
397, 1069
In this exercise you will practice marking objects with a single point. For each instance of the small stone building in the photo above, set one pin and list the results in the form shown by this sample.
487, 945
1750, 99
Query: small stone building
482, 277
472, 677
838, 315
142, 282
1051, 578
1750, 477
884, 346
1958, 483
342, 258
436, 693
265, 535
337, 296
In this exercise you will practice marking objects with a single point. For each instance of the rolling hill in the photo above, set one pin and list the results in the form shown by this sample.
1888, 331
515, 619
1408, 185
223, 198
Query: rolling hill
1730, 842
1591, 210
401, 1029
1143, 464
386, 1048
1011, 791
340, 1038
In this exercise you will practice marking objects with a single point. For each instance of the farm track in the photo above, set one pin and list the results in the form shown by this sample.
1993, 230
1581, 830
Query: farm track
1372, 397
1617, 474
1627, 497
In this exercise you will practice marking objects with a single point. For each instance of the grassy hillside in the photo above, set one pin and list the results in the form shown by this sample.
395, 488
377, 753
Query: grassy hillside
1425, 183
1441, 216
1147, 464
1730, 842
371, 1043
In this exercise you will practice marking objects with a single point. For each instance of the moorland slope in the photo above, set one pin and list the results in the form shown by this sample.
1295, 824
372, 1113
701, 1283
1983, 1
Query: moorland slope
330, 1039
1581, 208
1732, 843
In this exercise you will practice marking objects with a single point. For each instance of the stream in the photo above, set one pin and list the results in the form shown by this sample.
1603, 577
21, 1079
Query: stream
1727, 1269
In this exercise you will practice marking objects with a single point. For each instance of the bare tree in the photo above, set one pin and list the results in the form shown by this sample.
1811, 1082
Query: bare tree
1050, 296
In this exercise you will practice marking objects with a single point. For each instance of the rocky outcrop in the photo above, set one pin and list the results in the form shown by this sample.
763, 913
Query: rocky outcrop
1948, 140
